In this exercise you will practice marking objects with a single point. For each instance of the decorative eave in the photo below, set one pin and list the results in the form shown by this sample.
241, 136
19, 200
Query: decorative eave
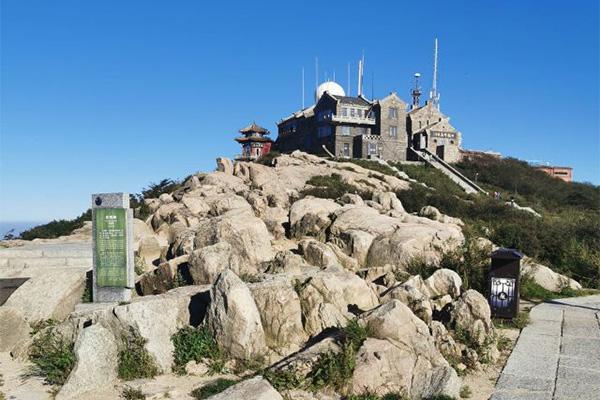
253, 139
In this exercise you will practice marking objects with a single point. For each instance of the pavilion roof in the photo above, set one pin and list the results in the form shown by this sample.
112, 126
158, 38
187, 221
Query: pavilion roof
254, 128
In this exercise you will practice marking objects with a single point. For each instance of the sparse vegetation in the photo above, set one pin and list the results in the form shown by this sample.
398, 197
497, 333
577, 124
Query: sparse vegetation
212, 388
569, 210
130, 393
40, 325
52, 355
332, 187
468, 260
250, 278
134, 360
283, 380
369, 164
139, 265
195, 344
335, 369
465, 392
503, 343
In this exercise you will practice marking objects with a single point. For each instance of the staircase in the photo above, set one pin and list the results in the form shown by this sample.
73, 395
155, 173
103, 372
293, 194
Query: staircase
465, 183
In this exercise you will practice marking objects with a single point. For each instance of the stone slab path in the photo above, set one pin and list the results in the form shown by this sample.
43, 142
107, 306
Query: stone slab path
557, 356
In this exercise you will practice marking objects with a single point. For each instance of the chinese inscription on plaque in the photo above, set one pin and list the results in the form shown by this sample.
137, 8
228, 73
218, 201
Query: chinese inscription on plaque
111, 247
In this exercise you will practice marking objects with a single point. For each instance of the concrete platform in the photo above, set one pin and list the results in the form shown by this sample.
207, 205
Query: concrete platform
557, 357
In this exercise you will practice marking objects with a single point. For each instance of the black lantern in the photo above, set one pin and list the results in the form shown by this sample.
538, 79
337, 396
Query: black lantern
503, 283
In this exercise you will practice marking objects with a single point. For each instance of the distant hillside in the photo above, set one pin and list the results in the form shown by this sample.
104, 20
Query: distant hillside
567, 236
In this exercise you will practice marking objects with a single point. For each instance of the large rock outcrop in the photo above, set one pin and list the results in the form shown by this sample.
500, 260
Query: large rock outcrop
401, 357
234, 318
95, 368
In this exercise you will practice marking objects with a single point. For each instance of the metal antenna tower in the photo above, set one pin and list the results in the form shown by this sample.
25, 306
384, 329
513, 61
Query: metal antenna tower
434, 96
361, 68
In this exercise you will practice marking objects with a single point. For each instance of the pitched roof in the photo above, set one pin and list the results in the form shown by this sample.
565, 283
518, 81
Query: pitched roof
254, 128
307, 112
358, 101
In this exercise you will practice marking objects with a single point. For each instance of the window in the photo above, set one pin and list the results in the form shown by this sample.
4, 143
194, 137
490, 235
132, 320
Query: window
361, 130
394, 132
372, 149
392, 113
346, 150
323, 131
420, 124
352, 112
345, 130
344, 111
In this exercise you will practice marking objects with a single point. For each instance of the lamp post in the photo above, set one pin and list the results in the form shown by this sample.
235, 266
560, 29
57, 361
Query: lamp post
503, 283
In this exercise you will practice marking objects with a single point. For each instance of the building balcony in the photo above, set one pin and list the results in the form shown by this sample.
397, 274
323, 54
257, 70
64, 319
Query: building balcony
347, 119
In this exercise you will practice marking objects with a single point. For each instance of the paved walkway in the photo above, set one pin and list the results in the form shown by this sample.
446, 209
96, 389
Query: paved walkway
557, 356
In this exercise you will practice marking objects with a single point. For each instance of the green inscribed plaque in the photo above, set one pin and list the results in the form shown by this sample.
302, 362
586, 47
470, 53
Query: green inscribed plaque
111, 247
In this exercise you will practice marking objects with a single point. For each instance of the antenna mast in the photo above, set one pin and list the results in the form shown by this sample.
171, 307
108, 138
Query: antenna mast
434, 96
349, 94
361, 67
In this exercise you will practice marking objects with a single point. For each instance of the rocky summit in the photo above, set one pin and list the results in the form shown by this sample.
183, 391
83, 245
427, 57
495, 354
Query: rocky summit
294, 280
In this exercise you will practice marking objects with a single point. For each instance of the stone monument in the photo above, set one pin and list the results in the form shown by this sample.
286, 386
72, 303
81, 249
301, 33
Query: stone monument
112, 224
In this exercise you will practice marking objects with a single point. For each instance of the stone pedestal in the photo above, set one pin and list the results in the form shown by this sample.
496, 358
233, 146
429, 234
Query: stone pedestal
112, 223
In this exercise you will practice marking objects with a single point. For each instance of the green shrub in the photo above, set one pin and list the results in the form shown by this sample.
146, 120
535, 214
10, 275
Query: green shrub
283, 380
332, 187
418, 265
134, 360
130, 393
56, 228
52, 356
522, 320
470, 262
503, 343
195, 344
465, 392
335, 369
212, 388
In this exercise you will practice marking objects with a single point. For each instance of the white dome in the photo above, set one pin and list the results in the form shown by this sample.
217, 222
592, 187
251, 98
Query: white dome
331, 87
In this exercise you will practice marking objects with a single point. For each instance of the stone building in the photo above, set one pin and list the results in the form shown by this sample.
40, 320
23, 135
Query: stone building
357, 127
430, 129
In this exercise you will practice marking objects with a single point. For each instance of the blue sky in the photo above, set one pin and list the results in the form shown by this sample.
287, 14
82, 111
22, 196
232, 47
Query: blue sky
101, 96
